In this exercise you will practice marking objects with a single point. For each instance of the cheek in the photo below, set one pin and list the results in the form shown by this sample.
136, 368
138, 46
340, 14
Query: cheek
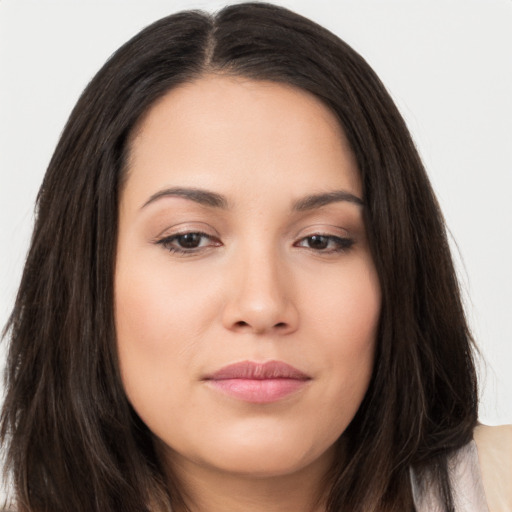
159, 310
345, 320
161, 318
347, 307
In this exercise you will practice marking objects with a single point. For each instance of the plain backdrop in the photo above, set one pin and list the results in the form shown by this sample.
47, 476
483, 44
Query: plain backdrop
447, 63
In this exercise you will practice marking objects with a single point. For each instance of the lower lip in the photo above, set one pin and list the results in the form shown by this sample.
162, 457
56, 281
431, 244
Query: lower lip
258, 391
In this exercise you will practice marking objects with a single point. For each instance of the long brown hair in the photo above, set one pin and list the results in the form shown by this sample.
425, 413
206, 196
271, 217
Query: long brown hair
72, 440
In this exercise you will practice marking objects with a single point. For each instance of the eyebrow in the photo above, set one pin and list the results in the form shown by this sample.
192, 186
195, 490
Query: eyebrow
203, 197
215, 200
314, 201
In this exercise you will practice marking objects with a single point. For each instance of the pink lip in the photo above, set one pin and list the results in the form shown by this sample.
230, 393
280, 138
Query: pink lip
258, 383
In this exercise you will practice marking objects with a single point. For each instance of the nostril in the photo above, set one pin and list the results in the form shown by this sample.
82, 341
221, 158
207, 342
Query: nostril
244, 324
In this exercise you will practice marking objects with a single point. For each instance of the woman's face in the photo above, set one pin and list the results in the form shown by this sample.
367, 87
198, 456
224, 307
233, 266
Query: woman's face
246, 299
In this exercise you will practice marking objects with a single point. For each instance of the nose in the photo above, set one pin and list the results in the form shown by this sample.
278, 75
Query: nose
261, 299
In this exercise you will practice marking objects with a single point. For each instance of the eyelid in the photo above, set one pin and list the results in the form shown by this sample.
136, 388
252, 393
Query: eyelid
323, 229
187, 227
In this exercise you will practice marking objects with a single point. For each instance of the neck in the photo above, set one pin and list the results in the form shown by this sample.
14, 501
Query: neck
206, 489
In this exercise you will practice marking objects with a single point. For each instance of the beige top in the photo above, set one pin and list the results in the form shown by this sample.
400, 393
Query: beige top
480, 474
495, 454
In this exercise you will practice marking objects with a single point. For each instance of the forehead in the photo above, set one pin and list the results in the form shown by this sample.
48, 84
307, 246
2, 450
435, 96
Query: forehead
221, 130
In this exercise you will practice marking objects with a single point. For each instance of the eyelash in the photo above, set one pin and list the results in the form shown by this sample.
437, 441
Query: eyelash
168, 240
341, 244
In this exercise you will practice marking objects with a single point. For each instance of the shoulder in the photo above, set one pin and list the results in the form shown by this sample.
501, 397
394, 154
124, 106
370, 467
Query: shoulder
494, 445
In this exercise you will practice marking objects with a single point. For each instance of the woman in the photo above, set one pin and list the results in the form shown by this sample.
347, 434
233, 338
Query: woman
239, 294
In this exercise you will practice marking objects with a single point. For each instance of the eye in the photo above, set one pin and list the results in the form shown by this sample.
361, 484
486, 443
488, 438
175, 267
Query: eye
325, 243
188, 243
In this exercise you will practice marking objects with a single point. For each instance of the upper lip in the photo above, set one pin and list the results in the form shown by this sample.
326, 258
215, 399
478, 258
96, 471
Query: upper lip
258, 371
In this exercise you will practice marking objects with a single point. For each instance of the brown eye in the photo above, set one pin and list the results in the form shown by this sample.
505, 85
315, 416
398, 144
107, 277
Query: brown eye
189, 240
318, 242
325, 243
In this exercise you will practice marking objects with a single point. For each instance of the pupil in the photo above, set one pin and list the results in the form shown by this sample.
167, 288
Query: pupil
318, 242
190, 240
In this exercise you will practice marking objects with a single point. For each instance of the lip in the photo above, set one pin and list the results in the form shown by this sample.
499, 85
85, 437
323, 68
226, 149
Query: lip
258, 383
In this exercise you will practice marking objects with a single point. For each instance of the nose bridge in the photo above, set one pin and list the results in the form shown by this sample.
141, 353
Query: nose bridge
261, 299
260, 277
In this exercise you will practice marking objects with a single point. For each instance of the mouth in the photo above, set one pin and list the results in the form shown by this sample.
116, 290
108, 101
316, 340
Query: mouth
258, 383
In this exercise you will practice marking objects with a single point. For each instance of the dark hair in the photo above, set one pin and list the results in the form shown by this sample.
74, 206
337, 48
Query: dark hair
73, 441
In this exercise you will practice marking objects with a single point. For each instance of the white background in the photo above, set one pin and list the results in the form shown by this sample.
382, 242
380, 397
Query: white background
447, 63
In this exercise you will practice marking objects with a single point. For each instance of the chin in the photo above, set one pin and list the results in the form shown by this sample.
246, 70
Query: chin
268, 457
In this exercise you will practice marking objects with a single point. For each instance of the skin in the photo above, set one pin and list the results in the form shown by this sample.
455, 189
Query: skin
257, 288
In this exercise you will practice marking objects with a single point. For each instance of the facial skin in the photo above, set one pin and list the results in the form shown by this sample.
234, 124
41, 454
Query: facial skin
256, 288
